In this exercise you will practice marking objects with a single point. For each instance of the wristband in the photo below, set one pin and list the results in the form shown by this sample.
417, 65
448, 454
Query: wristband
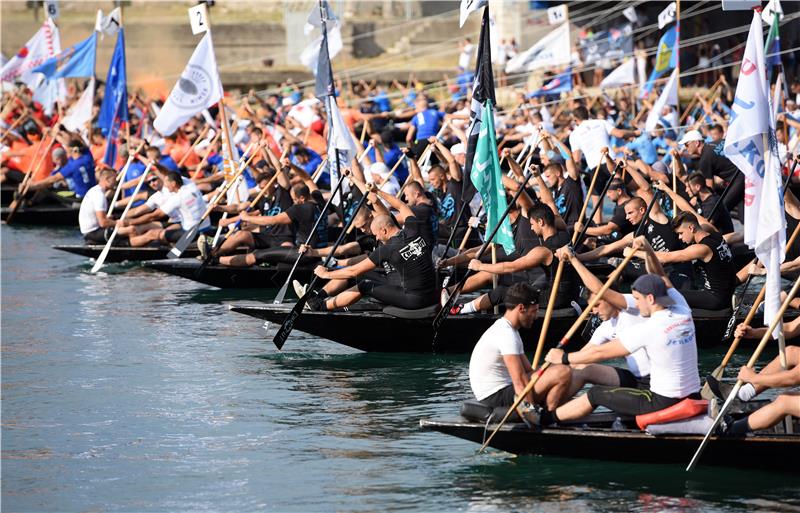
565, 358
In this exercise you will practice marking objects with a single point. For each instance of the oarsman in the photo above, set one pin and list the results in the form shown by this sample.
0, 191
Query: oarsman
618, 226
424, 124
404, 252
617, 315
307, 204
706, 201
667, 336
134, 229
714, 263
186, 202
713, 163
566, 191
77, 170
447, 187
92, 217
498, 367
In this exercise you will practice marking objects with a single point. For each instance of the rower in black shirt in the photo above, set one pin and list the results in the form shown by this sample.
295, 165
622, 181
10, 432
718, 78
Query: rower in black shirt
618, 226
713, 163
566, 191
707, 202
717, 272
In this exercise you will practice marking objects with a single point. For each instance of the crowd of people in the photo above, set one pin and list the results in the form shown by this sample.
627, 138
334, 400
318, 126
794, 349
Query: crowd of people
670, 195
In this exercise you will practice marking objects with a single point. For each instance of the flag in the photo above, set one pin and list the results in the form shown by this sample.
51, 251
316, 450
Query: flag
669, 96
561, 83
323, 85
614, 43
482, 90
198, 88
76, 61
467, 7
108, 25
666, 58
772, 8
622, 75
552, 50
44, 44
486, 177
114, 110
310, 55
751, 145
79, 115
772, 47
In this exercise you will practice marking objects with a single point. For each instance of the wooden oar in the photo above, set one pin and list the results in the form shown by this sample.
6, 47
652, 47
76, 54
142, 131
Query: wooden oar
38, 159
460, 249
717, 373
20, 118
319, 169
102, 258
563, 342
577, 237
187, 237
282, 292
121, 178
288, 323
194, 145
753, 359
205, 157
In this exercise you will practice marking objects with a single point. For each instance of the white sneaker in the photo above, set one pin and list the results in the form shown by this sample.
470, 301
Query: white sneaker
299, 289
444, 298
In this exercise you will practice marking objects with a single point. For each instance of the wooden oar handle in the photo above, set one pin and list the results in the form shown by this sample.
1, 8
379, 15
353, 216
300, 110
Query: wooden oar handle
205, 157
227, 186
262, 192
774, 324
194, 144
319, 169
589, 193
394, 168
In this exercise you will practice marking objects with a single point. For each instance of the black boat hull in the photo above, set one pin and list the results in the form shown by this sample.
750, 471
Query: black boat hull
256, 277
369, 329
769, 451
44, 215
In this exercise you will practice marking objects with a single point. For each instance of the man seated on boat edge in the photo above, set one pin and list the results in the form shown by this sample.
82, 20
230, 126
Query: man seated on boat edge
92, 219
771, 376
615, 312
498, 367
667, 335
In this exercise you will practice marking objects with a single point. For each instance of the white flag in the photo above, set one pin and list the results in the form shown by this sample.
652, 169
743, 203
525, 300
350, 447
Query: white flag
468, 6
340, 144
751, 145
552, 50
630, 13
310, 56
641, 69
304, 112
44, 44
623, 75
667, 16
669, 96
108, 25
772, 7
80, 114
198, 88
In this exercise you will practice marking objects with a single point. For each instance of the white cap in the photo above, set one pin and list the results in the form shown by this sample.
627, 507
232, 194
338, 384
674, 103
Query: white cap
379, 168
458, 149
691, 135
288, 101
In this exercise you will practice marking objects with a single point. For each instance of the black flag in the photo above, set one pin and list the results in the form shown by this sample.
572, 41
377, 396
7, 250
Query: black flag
482, 90
324, 85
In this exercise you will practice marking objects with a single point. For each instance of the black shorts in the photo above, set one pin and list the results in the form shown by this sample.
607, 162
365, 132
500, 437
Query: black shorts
395, 295
267, 240
630, 401
627, 379
97, 236
281, 255
502, 398
174, 235
706, 299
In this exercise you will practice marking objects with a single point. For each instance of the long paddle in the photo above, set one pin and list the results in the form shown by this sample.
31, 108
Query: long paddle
460, 249
282, 292
121, 178
753, 359
288, 323
102, 258
441, 316
187, 237
717, 373
577, 237
562, 343
38, 159
199, 166
194, 145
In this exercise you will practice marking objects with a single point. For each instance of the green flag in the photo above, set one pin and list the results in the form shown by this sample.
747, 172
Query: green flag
485, 175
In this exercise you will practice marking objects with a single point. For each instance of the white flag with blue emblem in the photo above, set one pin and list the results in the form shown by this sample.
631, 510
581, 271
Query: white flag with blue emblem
751, 145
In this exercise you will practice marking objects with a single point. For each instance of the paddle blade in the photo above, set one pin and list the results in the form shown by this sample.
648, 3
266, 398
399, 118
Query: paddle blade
281, 293
288, 323
183, 243
102, 258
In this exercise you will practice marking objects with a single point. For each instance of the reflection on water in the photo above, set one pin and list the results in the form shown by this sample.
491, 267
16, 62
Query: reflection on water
135, 390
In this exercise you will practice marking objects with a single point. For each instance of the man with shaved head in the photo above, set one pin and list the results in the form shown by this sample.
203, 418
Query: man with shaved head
404, 253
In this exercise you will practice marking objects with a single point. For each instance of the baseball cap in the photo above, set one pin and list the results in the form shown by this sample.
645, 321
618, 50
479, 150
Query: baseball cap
691, 135
379, 168
652, 284
458, 149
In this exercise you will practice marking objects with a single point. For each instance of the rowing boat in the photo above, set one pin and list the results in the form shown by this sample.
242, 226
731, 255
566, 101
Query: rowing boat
125, 253
45, 215
224, 277
594, 438
374, 328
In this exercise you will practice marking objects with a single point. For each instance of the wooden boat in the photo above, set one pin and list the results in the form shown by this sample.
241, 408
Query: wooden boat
125, 253
45, 215
594, 438
224, 277
373, 328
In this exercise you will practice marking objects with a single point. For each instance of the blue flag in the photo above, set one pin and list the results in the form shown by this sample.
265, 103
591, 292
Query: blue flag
561, 83
76, 61
114, 110
666, 58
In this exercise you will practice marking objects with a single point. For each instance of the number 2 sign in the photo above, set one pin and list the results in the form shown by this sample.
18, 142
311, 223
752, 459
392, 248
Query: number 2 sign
198, 17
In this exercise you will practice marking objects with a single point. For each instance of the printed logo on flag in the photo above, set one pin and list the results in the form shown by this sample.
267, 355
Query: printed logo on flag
194, 88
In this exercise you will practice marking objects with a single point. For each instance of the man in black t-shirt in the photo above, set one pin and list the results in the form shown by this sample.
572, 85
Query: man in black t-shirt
706, 203
404, 252
618, 226
713, 163
567, 193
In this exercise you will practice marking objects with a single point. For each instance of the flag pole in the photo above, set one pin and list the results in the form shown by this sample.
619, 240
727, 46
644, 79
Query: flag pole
677, 91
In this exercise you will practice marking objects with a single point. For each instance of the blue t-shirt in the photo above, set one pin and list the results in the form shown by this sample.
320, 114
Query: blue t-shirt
313, 163
134, 171
79, 173
645, 147
382, 101
168, 163
427, 123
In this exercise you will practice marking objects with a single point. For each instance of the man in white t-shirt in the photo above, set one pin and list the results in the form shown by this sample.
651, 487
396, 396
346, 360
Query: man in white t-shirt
498, 367
465, 56
667, 336
92, 217
587, 140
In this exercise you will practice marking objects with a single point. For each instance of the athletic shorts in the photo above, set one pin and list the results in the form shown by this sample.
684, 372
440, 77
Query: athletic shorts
502, 398
97, 236
706, 299
267, 240
630, 401
174, 235
627, 379
394, 295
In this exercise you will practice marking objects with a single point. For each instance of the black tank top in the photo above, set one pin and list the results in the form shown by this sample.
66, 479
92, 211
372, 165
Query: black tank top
718, 275
662, 238
568, 287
